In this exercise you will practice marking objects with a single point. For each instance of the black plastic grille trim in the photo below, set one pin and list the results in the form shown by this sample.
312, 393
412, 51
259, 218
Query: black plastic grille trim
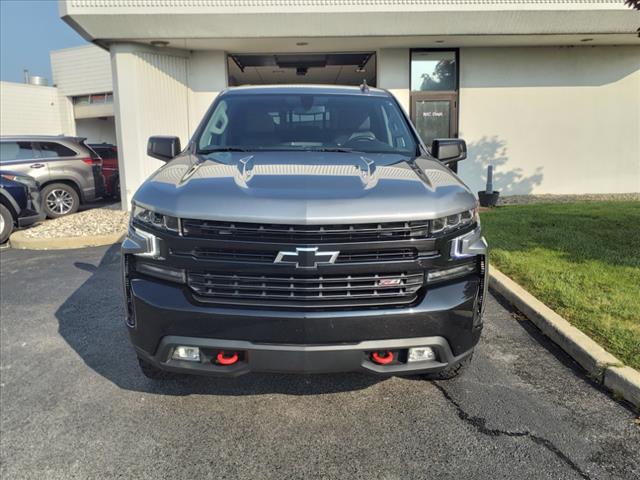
130, 317
318, 289
482, 266
305, 233
265, 257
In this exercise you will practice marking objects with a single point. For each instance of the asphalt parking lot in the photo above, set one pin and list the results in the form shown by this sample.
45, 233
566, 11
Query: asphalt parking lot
74, 404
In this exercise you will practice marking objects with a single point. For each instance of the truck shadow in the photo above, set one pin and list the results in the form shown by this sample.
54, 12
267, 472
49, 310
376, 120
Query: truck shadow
91, 321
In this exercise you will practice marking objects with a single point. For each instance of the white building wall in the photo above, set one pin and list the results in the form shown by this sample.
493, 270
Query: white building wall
393, 74
551, 120
207, 71
33, 110
67, 119
159, 92
82, 70
97, 130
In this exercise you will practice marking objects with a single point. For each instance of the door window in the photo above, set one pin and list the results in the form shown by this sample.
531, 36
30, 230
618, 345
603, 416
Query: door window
433, 71
16, 151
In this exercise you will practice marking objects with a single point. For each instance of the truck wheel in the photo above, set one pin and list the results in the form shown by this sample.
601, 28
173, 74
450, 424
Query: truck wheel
449, 372
60, 199
152, 372
6, 223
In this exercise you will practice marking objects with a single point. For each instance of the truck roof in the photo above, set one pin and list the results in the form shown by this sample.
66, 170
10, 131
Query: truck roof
311, 89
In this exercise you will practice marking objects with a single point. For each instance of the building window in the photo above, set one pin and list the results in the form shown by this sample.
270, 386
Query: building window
95, 98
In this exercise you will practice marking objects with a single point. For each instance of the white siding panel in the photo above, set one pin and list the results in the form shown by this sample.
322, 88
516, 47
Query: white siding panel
151, 98
31, 110
164, 99
67, 120
82, 70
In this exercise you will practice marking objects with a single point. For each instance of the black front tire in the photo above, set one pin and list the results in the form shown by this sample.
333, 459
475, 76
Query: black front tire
7, 223
449, 372
63, 191
153, 372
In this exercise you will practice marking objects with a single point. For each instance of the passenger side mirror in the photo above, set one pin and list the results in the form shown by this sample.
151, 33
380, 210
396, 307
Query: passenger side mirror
449, 150
163, 148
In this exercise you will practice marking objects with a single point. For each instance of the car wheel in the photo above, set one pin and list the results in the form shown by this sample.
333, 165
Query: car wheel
152, 372
6, 224
115, 188
449, 372
60, 199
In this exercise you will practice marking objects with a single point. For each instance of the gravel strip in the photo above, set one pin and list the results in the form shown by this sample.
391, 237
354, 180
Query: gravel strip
548, 198
98, 221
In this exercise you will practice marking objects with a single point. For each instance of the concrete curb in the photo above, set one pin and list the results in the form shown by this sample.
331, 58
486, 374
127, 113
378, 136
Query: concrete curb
624, 381
20, 241
600, 364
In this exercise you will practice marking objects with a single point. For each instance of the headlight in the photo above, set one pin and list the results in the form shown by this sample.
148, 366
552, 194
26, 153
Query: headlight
149, 218
454, 222
23, 179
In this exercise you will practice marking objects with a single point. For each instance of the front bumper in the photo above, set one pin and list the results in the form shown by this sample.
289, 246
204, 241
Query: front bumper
33, 213
447, 318
257, 357
30, 217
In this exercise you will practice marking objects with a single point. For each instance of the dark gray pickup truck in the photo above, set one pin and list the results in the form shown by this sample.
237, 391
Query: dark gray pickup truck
305, 229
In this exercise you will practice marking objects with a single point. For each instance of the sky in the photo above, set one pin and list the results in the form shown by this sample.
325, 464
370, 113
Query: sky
29, 30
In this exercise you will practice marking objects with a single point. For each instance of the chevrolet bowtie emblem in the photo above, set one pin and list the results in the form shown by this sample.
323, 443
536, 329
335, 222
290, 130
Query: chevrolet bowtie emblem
305, 257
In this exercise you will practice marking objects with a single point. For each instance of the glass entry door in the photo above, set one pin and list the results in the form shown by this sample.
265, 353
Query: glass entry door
434, 115
434, 93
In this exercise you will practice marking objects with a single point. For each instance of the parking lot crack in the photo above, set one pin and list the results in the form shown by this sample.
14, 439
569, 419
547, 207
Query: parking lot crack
480, 424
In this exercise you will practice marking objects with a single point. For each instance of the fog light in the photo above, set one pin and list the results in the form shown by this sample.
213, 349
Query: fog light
190, 354
421, 354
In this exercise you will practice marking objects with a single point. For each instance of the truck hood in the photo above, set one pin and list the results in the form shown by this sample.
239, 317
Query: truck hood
304, 188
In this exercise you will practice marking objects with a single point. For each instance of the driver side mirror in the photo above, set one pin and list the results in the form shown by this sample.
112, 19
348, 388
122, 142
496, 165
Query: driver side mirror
163, 148
449, 150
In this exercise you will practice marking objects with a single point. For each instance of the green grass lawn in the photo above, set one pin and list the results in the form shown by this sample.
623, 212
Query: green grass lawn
582, 259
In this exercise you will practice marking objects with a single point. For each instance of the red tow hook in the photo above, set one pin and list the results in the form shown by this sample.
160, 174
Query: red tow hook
382, 357
223, 359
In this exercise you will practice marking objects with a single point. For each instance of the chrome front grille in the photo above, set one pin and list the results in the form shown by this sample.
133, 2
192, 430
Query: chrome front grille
297, 290
304, 234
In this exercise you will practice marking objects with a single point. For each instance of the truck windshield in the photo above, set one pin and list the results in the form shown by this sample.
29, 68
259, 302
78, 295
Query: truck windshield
307, 122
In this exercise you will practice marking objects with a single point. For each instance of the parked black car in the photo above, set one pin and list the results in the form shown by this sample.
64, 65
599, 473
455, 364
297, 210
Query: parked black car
20, 203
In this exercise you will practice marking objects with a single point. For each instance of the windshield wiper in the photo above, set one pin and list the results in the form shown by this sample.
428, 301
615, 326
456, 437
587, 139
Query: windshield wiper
222, 149
330, 149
